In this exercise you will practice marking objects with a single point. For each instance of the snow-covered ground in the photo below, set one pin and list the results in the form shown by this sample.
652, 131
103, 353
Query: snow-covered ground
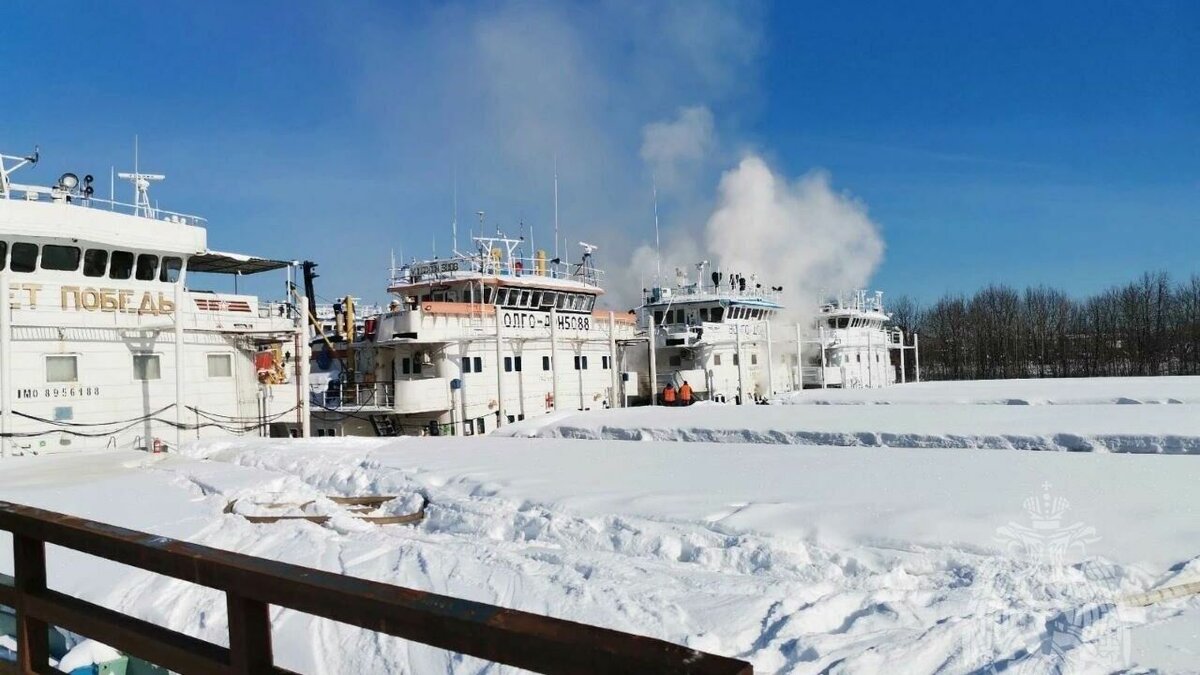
801, 559
1073, 415
1064, 391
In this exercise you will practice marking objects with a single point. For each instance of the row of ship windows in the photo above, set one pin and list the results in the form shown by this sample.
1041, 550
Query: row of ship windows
474, 364
676, 360
712, 314
64, 368
96, 262
846, 322
516, 297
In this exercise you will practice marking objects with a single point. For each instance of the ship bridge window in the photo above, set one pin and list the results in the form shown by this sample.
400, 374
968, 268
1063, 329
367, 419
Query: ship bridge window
3, 254
535, 299
716, 313
24, 257
548, 299
122, 265
61, 258
524, 299
170, 269
95, 262
62, 368
843, 323
703, 314
147, 265
658, 317
487, 295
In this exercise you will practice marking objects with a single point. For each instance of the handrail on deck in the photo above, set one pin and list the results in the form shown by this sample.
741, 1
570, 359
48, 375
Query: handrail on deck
251, 585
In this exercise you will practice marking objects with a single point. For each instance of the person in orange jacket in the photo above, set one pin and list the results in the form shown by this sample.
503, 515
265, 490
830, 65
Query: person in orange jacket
685, 393
668, 394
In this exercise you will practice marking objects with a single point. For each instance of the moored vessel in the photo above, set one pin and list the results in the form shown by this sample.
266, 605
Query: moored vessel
473, 342
107, 339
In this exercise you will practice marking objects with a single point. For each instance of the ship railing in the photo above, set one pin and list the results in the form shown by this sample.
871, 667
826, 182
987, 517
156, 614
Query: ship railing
36, 193
276, 309
338, 395
510, 267
692, 293
252, 586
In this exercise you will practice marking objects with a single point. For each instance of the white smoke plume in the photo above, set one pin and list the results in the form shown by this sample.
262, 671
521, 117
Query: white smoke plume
674, 149
800, 235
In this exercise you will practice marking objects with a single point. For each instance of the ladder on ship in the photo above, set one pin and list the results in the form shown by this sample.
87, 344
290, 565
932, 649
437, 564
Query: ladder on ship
384, 425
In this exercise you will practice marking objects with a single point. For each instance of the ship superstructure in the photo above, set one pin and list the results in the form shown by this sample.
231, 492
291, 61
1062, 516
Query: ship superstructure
107, 339
714, 333
853, 345
473, 342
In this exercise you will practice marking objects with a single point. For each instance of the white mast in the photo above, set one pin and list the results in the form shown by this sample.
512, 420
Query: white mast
454, 223
556, 206
657, 253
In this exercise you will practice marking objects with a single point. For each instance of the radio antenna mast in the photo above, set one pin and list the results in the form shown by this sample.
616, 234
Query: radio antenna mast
556, 206
657, 252
454, 223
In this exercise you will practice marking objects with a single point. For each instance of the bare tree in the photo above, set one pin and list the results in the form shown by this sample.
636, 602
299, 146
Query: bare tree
1145, 327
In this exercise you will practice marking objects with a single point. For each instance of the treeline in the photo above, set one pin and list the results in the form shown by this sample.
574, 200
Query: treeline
1150, 326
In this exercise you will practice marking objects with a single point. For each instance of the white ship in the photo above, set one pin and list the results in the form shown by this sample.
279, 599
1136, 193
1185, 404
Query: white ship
716, 336
473, 342
853, 345
107, 341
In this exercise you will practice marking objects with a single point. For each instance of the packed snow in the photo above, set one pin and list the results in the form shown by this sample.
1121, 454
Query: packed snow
1071, 415
798, 558
1061, 391
87, 653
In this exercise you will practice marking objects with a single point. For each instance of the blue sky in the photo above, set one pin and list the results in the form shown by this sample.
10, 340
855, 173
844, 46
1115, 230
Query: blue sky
988, 142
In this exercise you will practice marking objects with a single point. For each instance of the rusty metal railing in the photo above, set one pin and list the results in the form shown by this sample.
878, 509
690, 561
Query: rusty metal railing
251, 585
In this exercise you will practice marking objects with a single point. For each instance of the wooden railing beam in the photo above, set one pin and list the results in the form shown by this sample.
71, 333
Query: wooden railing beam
249, 635
29, 577
252, 585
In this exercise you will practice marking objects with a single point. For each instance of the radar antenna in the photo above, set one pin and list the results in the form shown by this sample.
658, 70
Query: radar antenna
141, 186
586, 269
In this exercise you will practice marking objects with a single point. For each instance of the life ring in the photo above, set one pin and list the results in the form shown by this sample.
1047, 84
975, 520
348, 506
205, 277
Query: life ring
428, 308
